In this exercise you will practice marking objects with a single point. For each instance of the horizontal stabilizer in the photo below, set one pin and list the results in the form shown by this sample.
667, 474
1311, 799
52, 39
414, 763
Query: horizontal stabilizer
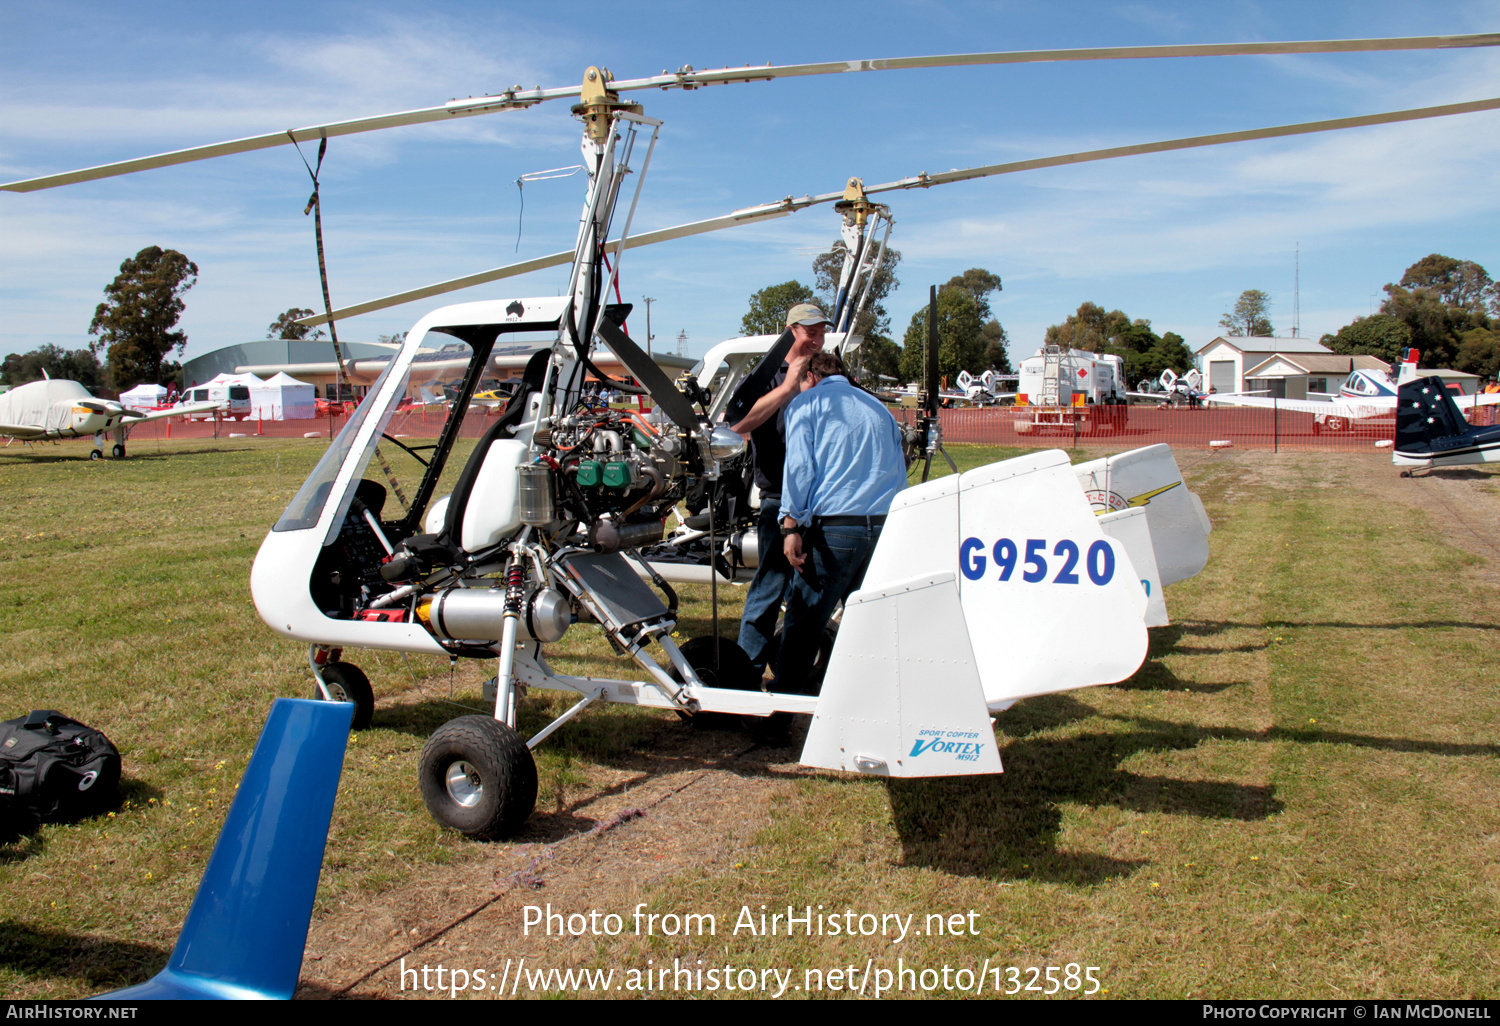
1148, 479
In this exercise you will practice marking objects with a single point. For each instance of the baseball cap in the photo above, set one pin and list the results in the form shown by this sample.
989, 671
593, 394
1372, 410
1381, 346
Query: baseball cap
806, 313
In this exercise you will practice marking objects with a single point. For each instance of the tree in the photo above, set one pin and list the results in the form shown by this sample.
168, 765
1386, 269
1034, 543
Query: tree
1479, 353
961, 339
1143, 352
769, 306
1091, 328
286, 326
78, 365
1440, 300
142, 306
1460, 283
979, 283
1382, 336
996, 348
874, 322
1249, 318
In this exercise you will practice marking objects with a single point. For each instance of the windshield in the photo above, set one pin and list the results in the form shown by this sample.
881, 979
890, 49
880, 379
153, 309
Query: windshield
307, 505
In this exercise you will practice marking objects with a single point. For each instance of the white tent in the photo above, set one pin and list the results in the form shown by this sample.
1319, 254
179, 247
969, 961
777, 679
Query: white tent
283, 397
143, 397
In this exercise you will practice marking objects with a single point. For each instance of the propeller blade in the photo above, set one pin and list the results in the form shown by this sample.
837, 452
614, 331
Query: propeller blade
789, 205
689, 78
95, 405
747, 216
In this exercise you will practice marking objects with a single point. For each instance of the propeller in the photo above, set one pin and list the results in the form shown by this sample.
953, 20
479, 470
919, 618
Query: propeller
789, 205
688, 78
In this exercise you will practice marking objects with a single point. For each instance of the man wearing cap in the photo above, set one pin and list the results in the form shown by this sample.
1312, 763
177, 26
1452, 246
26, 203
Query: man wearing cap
843, 467
757, 413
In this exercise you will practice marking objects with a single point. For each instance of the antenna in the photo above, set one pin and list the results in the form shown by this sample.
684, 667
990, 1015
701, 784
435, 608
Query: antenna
1297, 291
682, 337
648, 300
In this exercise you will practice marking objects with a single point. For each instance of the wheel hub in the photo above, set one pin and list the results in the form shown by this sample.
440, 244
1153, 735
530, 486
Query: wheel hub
464, 785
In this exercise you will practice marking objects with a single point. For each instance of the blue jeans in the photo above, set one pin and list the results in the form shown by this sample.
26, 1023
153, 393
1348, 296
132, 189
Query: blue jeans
837, 558
767, 590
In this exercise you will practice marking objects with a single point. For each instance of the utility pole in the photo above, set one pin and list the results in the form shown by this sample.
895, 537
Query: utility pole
649, 300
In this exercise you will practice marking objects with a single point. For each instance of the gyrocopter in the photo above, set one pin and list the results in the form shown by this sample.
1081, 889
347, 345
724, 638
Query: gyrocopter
555, 519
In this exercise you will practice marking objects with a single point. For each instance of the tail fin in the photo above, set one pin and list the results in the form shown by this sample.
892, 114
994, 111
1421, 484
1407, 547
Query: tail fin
1428, 421
246, 930
1408, 371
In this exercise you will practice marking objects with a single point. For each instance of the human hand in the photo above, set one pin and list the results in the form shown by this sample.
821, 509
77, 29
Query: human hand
792, 546
796, 369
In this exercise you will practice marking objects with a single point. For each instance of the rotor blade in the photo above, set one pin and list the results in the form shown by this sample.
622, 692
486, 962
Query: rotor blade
688, 78
791, 204
748, 216
513, 100
924, 180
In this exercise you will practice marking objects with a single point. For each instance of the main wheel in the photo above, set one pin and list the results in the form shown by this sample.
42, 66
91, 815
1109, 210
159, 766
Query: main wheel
820, 658
733, 669
348, 683
478, 777
118, 451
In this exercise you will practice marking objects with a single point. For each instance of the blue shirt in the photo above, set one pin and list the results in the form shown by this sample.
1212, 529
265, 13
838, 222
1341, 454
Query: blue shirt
843, 454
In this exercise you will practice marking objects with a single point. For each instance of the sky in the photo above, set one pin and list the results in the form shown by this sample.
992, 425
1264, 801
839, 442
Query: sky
1173, 238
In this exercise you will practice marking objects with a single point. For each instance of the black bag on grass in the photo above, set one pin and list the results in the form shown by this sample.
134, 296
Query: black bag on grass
55, 768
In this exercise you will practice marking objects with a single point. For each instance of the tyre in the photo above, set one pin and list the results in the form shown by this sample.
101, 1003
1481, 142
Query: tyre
95, 454
348, 683
820, 660
733, 670
478, 777
118, 451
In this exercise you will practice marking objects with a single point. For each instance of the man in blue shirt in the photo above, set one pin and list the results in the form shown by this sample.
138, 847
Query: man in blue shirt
843, 468
757, 413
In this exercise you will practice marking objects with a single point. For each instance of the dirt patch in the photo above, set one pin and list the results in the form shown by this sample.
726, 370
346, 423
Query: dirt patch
696, 800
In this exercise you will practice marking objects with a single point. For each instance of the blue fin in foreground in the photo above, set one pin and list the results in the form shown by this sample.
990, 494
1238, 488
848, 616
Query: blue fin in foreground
247, 928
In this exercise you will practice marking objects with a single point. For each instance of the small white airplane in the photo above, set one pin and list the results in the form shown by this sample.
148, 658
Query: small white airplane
54, 409
1364, 395
1174, 389
982, 391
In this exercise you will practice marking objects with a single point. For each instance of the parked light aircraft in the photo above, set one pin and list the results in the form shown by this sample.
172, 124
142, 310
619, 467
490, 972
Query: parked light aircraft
57, 408
544, 523
1365, 395
1432, 431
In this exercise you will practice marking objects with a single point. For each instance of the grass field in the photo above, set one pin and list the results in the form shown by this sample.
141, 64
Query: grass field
1294, 796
